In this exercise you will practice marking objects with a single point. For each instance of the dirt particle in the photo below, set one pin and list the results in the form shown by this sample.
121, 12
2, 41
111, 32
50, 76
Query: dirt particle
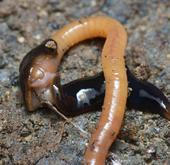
21, 40
51, 45
142, 72
129, 91
80, 20
112, 133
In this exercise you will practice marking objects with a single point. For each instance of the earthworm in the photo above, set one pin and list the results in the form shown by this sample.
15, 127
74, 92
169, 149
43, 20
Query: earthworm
113, 65
38, 77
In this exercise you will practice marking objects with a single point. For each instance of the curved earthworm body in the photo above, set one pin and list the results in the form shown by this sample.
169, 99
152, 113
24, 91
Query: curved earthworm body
115, 78
114, 71
38, 79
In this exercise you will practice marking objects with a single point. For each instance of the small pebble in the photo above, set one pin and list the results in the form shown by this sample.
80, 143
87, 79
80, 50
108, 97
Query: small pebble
38, 36
151, 150
25, 5
21, 40
27, 138
93, 3
7, 94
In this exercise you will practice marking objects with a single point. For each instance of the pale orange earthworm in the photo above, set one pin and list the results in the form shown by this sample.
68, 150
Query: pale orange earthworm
42, 70
113, 65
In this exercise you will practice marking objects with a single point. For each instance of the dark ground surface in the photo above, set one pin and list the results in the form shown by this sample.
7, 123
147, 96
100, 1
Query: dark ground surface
31, 137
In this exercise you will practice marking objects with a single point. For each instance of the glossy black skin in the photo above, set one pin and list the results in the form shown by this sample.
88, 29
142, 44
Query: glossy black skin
65, 97
150, 101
